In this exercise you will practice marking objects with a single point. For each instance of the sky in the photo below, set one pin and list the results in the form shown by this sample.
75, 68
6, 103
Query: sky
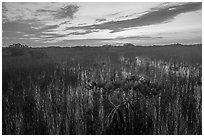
39, 24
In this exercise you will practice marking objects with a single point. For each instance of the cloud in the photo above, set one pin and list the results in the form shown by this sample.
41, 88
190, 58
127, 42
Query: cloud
67, 12
16, 26
114, 14
28, 35
52, 35
61, 37
138, 37
45, 11
154, 16
100, 20
4, 10
48, 27
39, 12
65, 22
83, 33
35, 38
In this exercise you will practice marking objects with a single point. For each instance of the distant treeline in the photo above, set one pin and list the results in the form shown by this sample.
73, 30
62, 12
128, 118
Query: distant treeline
190, 53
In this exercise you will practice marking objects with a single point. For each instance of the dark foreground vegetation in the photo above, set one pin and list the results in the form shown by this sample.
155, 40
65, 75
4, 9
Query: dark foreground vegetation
108, 90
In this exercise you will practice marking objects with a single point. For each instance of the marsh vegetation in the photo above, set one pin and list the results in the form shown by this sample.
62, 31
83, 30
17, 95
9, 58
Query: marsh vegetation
107, 90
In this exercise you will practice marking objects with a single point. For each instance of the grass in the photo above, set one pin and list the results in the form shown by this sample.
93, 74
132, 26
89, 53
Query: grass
114, 92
